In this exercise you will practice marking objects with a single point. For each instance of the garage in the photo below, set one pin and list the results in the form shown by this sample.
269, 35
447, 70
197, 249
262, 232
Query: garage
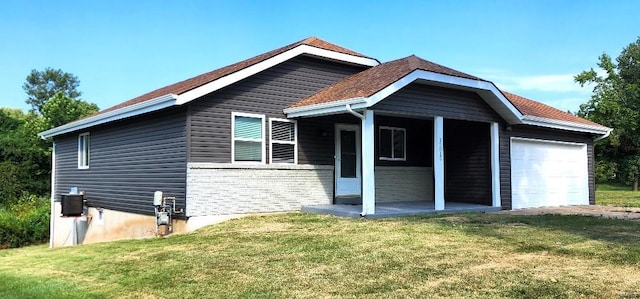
548, 173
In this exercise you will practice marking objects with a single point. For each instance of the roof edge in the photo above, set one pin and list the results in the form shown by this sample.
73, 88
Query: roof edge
566, 125
124, 112
268, 63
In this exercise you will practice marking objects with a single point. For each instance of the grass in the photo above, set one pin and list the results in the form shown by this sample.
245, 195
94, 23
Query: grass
617, 195
299, 255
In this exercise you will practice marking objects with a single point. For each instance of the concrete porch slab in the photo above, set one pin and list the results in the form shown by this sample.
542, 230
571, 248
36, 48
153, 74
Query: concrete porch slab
397, 209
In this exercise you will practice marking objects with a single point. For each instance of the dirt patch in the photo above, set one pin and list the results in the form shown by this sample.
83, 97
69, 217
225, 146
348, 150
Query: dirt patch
455, 219
599, 211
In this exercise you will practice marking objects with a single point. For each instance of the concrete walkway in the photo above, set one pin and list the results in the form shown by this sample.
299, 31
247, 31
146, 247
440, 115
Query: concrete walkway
397, 209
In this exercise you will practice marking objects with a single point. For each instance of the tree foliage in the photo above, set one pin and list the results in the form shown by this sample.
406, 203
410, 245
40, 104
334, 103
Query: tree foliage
61, 109
615, 103
40, 86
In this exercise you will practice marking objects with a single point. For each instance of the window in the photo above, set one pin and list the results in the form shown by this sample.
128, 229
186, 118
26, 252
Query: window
283, 141
248, 138
83, 151
392, 144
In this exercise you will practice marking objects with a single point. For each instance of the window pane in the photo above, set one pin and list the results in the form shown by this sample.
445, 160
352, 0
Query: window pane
385, 143
398, 144
248, 151
348, 165
282, 153
348, 142
283, 131
248, 127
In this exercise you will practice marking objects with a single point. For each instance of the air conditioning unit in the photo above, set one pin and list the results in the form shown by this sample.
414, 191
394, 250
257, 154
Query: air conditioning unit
72, 205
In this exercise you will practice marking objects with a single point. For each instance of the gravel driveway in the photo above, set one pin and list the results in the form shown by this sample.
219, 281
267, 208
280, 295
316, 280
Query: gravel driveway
601, 211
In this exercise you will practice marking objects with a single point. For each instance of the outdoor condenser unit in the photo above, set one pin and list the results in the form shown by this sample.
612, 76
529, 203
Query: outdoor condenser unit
72, 204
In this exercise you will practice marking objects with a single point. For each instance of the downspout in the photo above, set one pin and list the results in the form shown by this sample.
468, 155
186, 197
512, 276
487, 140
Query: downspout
603, 136
361, 117
53, 195
356, 114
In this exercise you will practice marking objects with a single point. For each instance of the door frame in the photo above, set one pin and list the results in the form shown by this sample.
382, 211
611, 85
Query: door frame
348, 127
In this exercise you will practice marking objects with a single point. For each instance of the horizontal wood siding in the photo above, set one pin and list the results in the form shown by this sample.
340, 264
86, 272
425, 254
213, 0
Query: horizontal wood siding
267, 93
544, 134
129, 161
403, 183
467, 154
430, 101
419, 140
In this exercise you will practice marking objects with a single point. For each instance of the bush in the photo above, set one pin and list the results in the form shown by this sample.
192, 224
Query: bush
24, 222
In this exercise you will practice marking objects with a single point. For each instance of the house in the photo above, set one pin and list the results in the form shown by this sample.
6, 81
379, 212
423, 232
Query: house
316, 124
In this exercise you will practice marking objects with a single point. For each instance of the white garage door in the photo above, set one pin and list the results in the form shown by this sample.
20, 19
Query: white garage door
547, 173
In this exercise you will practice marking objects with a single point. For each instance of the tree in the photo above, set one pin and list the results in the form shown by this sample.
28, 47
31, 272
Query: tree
42, 85
61, 109
615, 103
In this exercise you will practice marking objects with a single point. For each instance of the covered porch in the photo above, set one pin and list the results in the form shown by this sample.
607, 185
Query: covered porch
397, 209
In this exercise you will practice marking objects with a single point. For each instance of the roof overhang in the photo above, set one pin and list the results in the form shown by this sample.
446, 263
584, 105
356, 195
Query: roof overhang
486, 90
186, 97
102, 118
566, 125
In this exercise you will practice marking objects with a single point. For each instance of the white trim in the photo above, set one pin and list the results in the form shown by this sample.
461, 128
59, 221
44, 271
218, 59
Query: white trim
52, 212
547, 141
564, 125
404, 146
495, 164
323, 108
84, 150
128, 111
233, 137
368, 164
438, 163
294, 142
268, 63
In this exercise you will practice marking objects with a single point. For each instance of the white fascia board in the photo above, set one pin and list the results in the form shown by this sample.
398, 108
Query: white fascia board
564, 125
268, 63
510, 113
325, 108
128, 111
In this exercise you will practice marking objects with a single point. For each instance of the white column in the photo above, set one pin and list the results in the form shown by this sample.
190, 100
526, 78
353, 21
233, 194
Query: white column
438, 161
495, 164
368, 164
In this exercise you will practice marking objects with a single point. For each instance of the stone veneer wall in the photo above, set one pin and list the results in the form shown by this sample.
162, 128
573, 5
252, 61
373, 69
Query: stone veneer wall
226, 189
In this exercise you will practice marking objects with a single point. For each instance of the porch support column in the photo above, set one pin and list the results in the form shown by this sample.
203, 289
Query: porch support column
495, 164
368, 165
438, 162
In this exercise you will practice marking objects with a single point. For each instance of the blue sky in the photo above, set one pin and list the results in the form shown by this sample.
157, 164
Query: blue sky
122, 49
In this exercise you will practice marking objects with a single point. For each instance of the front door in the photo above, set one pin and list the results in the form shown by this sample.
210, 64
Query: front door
348, 174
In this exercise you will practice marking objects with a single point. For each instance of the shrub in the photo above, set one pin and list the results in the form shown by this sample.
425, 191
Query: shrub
24, 221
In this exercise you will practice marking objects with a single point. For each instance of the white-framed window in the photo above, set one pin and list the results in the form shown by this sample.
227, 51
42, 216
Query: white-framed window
84, 145
283, 139
248, 133
392, 144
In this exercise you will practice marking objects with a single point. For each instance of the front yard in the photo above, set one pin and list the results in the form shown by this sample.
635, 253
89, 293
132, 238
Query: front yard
299, 255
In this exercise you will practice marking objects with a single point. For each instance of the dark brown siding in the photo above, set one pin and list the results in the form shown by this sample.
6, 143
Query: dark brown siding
268, 93
467, 167
129, 161
430, 101
544, 134
419, 140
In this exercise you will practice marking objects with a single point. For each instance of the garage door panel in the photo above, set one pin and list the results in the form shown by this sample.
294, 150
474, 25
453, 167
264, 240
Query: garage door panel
546, 173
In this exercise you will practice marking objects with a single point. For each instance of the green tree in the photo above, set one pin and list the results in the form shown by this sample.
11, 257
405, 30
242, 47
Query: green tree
61, 109
42, 85
615, 103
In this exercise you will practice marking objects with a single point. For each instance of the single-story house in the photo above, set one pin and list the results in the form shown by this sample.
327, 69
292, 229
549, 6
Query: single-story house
312, 124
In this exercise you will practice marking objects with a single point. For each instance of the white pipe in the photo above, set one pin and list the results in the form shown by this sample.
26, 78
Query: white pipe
356, 114
52, 216
604, 136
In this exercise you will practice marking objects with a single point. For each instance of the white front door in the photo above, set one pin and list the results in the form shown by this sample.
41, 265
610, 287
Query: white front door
348, 174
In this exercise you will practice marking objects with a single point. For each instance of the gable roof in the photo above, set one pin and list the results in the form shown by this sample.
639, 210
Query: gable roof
370, 86
187, 90
358, 91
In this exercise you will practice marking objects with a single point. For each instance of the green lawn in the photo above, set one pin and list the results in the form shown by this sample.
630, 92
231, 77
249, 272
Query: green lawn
616, 195
299, 255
